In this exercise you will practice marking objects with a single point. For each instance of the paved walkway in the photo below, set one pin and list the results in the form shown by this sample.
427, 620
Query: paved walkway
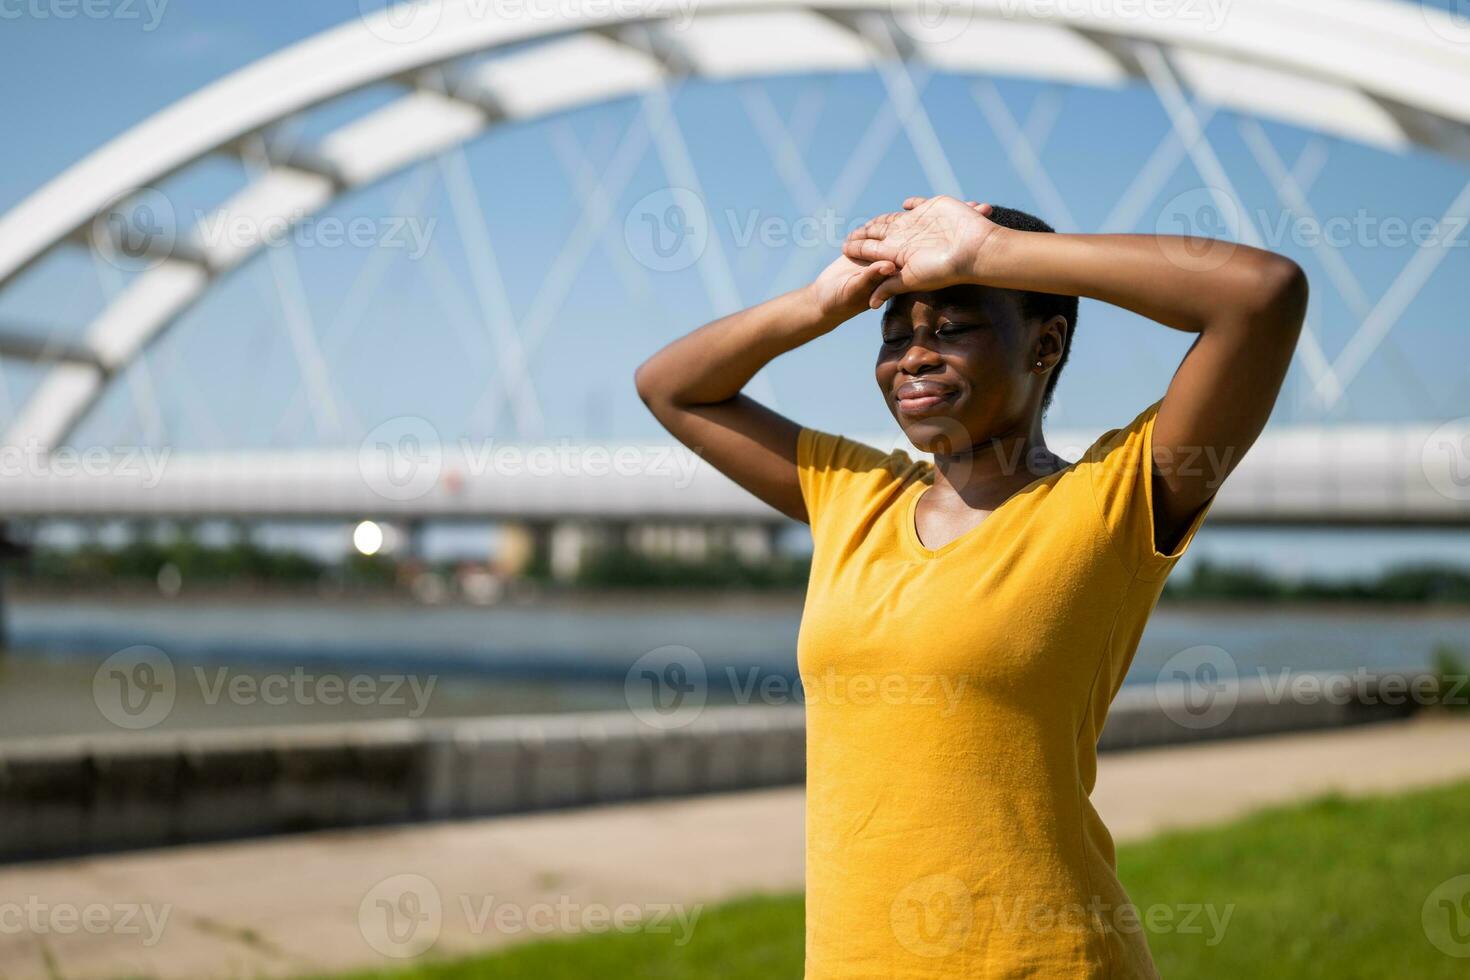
288, 906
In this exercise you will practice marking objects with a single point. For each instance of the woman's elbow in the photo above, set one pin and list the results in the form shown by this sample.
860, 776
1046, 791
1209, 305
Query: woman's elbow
653, 388
1279, 293
1289, 287
643, 381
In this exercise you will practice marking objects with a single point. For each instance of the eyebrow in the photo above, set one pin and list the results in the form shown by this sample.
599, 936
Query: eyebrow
949, 307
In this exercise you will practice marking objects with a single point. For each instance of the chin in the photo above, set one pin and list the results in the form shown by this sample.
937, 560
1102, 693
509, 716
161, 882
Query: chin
937, 433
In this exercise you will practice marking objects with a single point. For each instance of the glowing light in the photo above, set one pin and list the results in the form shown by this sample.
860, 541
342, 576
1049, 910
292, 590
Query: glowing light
367, 538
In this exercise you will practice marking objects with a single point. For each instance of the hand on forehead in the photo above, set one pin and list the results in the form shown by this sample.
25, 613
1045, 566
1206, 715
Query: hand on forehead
988, 300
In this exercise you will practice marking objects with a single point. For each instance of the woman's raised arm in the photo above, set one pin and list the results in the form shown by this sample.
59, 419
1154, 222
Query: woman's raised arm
693, 386
1246, 305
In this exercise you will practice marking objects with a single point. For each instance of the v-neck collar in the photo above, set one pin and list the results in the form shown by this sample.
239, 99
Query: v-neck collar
910, 512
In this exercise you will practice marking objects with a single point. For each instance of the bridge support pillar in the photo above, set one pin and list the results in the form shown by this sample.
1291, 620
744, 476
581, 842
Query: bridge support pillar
754, 543
570, 543
525, 548
412, 548
10, 550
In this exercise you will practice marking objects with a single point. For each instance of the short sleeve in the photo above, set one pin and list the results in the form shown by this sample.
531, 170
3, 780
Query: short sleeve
836, 472
1120, 468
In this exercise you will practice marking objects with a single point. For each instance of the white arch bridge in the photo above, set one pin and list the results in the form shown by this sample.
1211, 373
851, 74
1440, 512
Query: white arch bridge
1304, 476
1389, 74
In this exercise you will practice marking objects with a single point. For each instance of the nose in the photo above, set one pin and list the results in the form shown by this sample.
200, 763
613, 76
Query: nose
919, 359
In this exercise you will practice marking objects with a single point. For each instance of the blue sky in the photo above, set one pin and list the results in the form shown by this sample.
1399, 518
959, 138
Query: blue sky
227, 375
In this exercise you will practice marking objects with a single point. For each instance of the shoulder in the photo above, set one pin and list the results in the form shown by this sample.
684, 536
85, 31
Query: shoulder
1123, 446
833, 467
821, 451
1119, 467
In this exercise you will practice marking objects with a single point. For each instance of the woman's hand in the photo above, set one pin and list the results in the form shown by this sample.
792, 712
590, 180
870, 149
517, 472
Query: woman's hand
934, 242
1247, 309
844, 288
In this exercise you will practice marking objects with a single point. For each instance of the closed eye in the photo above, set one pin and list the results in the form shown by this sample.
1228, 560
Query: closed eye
952, 329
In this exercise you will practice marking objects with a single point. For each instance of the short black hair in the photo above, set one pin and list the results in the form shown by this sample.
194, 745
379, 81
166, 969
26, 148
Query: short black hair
1042, 306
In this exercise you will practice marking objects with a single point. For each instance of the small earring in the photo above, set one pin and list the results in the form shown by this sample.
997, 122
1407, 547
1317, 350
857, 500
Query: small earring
1038, 364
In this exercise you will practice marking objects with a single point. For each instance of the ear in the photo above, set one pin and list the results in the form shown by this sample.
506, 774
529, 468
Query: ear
1051, 340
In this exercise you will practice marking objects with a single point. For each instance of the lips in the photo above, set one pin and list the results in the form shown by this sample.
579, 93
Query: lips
922, 397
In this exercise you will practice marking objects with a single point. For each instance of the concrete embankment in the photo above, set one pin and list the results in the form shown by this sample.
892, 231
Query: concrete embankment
75, 795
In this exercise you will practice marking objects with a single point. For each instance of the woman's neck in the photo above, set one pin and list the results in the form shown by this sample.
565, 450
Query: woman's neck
986, 474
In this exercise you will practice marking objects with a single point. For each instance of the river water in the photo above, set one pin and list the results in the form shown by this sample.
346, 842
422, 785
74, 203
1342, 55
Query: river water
264, 661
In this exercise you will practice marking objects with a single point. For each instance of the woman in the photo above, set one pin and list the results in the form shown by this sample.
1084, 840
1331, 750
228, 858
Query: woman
968, 622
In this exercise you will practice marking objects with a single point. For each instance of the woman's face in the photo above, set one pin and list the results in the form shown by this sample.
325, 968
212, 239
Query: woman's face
956, 366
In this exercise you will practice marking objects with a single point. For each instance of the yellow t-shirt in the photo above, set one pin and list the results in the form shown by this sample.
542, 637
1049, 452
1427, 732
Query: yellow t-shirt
954, 700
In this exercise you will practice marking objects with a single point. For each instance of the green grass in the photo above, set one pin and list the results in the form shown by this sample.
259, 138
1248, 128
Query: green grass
1333, 889
752, 939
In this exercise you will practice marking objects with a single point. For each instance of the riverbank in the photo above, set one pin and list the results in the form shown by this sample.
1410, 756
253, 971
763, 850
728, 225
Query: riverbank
295, 906
551, 598
1210, 907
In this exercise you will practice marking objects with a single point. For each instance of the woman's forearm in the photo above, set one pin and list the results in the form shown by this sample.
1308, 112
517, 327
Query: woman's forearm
712, 364
1187, 284
693, 385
